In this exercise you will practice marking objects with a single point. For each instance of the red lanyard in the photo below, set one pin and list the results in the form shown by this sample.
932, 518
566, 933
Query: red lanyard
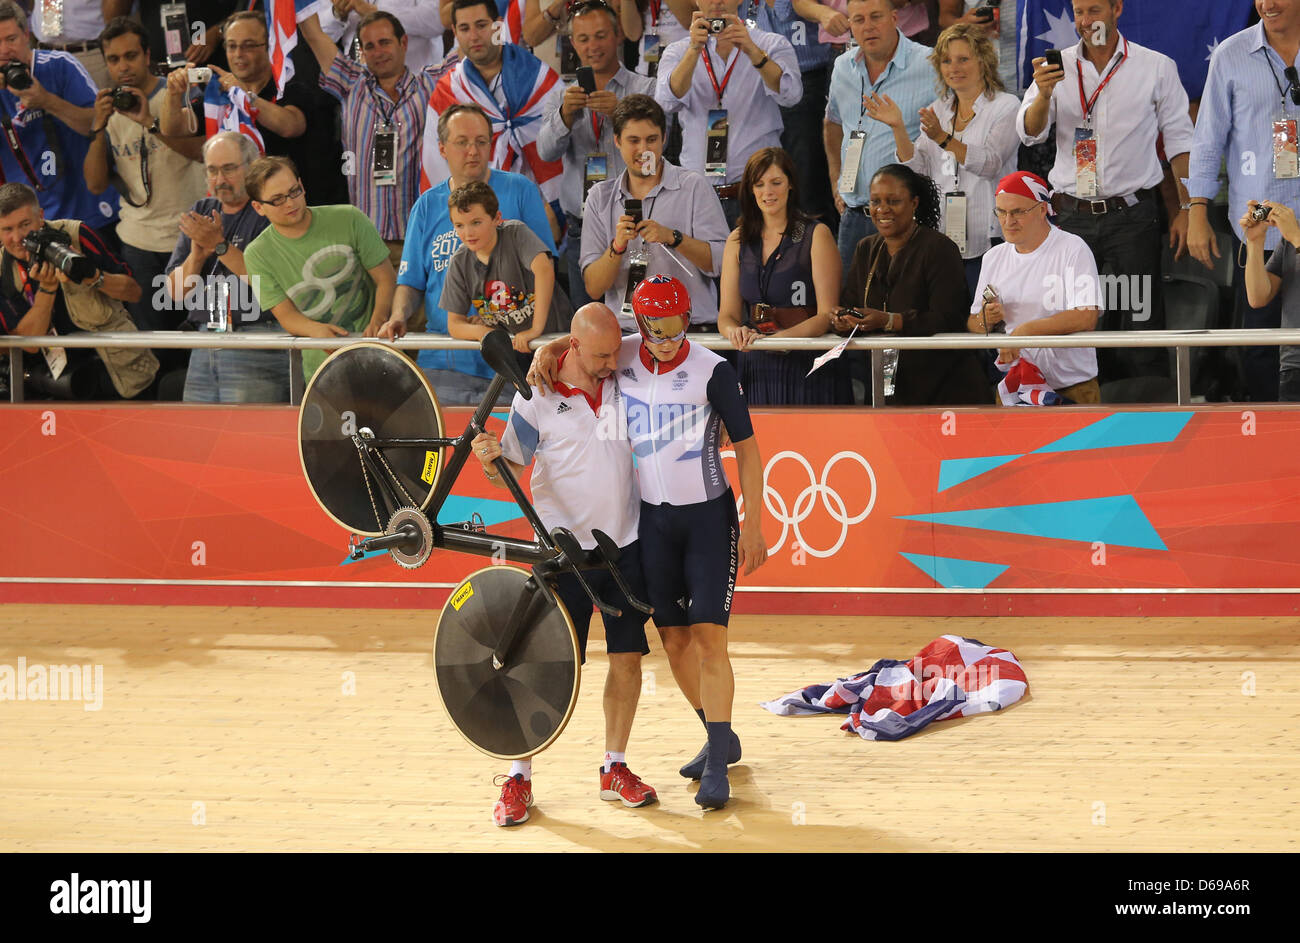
713, 79
1110, 74
654, 12
20, 155
597, 123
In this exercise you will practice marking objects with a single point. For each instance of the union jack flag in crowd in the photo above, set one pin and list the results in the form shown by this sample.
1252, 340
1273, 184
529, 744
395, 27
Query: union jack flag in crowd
526, 81
282, 19
230, 111
950, 677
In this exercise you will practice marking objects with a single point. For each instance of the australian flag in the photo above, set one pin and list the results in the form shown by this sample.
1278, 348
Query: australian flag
1188, 36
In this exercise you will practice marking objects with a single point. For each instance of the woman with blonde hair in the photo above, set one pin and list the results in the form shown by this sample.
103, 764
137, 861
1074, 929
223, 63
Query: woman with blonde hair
968, 139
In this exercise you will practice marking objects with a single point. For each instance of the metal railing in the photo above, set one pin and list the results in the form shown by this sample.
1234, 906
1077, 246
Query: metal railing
1181, 341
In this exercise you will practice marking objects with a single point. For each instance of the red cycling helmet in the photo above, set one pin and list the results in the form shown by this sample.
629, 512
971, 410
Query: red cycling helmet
659, 297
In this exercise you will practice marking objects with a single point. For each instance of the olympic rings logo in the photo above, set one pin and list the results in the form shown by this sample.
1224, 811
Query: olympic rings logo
804, 502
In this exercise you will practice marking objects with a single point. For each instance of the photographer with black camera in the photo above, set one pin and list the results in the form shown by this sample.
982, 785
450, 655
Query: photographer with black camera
1269, 275
58, 277
159, 177
46, 106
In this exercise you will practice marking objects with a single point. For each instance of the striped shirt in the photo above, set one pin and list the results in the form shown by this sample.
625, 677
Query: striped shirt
366, 107
1235, 121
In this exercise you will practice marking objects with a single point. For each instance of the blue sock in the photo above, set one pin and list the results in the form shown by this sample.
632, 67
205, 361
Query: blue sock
704, 720
719, 742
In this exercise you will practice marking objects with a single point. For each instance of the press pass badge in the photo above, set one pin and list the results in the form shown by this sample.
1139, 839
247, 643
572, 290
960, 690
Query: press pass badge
56, 358
176, 32
1085, 164
219, 305
52, 18
597, 169
384, 166
650, 53
715, 145
1285, 164
955, 219
852, 161
636, 270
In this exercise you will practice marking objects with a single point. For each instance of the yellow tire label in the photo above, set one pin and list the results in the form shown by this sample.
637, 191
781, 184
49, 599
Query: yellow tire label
430, 468
462, 595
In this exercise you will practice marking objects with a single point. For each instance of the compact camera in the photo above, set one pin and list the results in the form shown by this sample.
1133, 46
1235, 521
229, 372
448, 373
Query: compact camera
717, 24
1260, 213
200, 75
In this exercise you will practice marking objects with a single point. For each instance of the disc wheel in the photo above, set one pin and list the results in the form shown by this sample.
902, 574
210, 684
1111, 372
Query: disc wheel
520, 709
367, 386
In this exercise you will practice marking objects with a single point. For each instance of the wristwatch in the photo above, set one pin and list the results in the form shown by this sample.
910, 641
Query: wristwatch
220, 248
156, 127
677, 239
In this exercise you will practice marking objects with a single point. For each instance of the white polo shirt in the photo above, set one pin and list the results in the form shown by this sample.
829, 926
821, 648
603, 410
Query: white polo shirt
583, 476
1060, 274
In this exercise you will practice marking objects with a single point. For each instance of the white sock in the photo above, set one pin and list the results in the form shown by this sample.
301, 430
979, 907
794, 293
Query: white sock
611, 758
522, 766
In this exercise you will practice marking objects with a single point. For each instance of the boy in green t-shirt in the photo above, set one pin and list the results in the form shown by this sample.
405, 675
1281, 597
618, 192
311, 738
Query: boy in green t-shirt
323, 271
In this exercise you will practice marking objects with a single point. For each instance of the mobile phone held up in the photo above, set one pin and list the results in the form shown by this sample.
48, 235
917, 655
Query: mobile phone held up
586, 79
632, 207
1053, 57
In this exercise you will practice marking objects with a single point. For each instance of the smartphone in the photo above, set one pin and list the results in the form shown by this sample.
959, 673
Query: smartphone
632, 207
586, 79
1053, 57
984, 14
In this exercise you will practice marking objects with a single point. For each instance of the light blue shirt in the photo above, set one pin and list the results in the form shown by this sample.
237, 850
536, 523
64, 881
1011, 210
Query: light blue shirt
1235, 122
909, 80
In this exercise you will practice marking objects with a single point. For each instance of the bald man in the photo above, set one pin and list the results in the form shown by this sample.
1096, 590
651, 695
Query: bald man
583, 480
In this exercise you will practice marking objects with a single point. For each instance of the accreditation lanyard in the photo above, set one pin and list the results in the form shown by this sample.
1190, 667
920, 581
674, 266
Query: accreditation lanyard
1087, 106
655, 7
20, 155
597, 125
719, 90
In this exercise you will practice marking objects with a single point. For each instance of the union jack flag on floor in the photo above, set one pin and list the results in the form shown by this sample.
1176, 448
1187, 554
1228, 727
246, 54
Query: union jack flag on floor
950, 677
526, 81
230, 111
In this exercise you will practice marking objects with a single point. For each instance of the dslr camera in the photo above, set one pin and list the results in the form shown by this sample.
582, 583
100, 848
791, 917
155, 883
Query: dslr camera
18, 77
52, 245
124, 99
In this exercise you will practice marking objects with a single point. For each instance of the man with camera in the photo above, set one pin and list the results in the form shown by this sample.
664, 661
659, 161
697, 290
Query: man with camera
158, 176
58, 278
578, 128
1274, 278
728, 109
653, 219
46, 107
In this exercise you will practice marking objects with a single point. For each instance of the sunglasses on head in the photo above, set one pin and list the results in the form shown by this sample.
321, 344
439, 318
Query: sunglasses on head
1294, 87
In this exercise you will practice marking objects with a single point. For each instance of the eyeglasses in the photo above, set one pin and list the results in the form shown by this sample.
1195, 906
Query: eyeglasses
226, 169
1016, 215
243, 47
1291, 77
279, 200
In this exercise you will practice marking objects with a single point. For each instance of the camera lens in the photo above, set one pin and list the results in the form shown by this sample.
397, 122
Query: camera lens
123, 100
17, 76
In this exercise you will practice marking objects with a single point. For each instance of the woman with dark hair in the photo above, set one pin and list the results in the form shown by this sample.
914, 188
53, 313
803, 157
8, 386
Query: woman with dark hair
907, 279
780, 278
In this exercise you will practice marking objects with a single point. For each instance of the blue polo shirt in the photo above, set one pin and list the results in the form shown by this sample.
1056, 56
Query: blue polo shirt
61, 195
909, 80
431, 241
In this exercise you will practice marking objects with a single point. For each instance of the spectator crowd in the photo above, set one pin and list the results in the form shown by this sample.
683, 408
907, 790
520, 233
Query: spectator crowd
802, 168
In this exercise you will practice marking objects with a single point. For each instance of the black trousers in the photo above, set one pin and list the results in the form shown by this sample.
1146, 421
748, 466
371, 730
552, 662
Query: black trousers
1259, 365
1126, 246
802, 140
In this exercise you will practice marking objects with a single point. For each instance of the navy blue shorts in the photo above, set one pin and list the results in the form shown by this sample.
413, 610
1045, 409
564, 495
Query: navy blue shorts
627, 632
690, 554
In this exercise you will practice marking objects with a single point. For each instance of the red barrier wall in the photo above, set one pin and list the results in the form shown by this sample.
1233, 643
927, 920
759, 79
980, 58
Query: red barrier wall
885, 511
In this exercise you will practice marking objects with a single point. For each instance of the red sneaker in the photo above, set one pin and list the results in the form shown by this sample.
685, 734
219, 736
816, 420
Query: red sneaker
623, 784
516, 797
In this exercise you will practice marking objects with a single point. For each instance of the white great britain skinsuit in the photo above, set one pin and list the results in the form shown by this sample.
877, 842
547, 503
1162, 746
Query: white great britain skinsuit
674, 420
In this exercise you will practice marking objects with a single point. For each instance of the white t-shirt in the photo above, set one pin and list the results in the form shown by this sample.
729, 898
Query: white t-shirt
583, 478
1060, 274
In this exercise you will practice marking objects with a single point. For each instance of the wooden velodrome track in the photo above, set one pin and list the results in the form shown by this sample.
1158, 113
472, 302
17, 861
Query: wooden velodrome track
229, 730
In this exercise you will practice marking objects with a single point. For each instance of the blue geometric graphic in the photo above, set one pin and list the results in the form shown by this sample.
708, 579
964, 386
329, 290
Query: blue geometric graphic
952, 573
1117, 520
456, 509
1114, 431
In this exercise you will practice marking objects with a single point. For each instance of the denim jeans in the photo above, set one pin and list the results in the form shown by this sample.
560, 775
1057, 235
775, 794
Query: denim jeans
854, 227
232, 375
572, 255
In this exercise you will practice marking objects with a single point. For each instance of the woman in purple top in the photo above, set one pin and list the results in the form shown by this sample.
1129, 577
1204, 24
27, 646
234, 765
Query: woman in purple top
780, 278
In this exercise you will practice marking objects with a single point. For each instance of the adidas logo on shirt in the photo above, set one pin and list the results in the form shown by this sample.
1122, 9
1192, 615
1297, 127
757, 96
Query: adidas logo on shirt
630, 373
562, 408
